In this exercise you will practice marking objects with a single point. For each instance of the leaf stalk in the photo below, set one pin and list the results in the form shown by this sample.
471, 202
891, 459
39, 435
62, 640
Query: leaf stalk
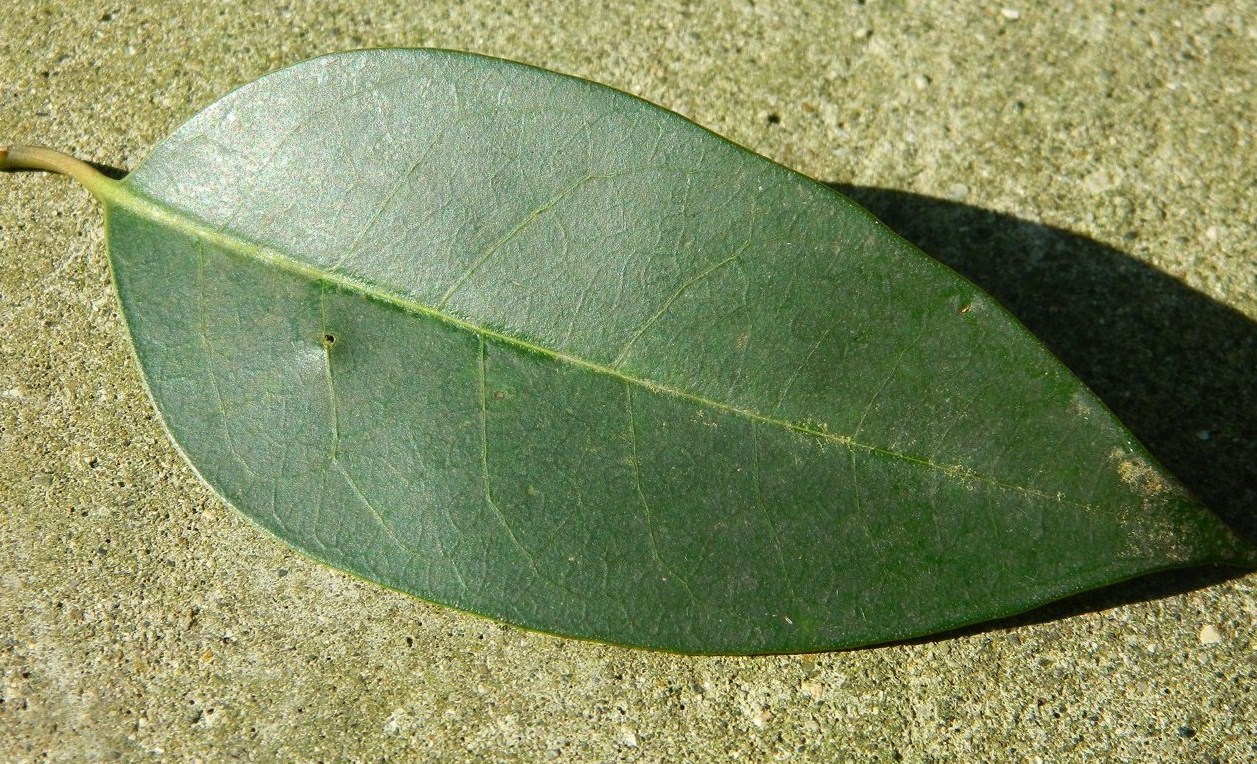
17, 158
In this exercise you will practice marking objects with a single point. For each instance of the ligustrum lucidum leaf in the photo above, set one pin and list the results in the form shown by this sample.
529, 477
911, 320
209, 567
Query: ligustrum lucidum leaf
531, 347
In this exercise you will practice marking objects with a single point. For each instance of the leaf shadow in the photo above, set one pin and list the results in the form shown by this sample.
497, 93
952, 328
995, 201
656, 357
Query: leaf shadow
1177, 367
1149, 588
109, 171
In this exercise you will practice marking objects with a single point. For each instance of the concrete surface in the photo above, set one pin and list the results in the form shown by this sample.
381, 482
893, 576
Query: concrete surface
141, 620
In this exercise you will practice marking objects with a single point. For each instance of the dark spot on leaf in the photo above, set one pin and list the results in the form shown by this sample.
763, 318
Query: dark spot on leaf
329, 339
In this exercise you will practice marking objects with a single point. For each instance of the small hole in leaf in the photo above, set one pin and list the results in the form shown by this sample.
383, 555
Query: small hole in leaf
329, 339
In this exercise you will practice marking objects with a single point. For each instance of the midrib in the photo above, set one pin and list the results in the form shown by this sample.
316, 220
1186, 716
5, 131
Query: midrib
165, 214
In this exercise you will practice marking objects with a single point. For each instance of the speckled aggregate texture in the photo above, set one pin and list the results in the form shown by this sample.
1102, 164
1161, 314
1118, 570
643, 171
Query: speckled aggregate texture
1091, 164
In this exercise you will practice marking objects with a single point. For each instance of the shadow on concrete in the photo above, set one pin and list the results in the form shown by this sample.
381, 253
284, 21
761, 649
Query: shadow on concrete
109, 171
1178, 368
1147, 588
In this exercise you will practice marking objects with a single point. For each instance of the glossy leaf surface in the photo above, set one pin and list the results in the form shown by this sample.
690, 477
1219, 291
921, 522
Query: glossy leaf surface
527, 346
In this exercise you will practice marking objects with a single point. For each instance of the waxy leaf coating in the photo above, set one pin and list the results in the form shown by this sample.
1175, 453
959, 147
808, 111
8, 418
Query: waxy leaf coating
531, 347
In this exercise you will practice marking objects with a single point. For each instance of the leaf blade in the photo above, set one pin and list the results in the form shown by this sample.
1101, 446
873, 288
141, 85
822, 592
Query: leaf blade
627, 517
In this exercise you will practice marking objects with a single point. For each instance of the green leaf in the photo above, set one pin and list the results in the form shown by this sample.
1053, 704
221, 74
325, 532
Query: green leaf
527, 346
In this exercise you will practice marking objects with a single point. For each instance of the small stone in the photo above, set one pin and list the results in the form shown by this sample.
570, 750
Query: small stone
863, 33
813, 690
1209, 635
629, 738
920, 82
1098, 182
1216, 14
957, 192
1202, 434
1012, 14
808, 664
396, 722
